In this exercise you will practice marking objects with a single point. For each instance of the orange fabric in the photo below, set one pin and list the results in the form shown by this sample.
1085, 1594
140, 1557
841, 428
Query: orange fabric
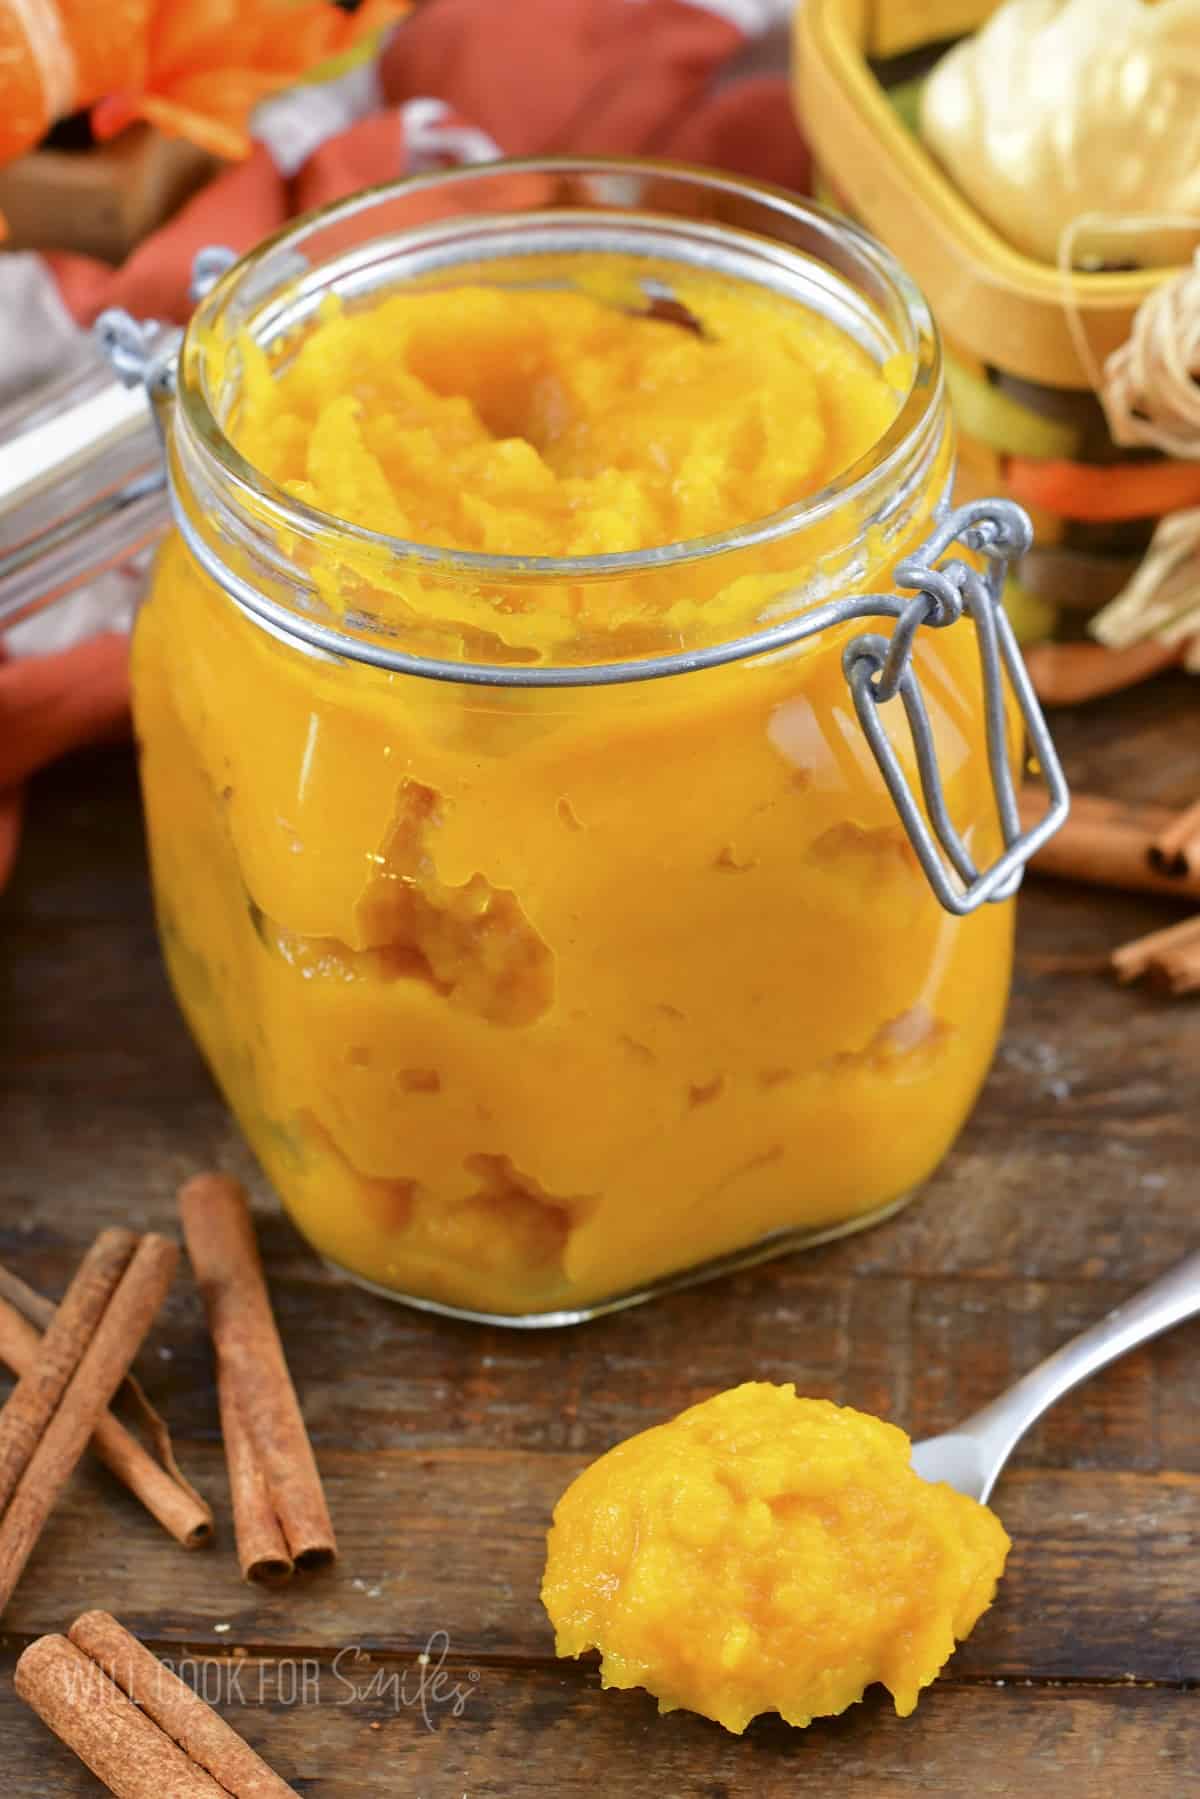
371, 151
599, 75
596, 76
749, 128
51, 704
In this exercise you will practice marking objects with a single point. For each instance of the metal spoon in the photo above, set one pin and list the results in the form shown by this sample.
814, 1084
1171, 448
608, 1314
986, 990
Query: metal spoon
972, 1457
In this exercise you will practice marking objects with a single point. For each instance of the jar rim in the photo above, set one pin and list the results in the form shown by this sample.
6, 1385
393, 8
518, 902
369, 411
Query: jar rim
921, 396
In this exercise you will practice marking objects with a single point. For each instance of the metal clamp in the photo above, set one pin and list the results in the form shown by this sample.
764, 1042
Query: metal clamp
82, 474
144, 353
880, 669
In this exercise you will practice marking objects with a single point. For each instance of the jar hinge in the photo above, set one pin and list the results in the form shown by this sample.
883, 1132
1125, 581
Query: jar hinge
880, 669
142, 352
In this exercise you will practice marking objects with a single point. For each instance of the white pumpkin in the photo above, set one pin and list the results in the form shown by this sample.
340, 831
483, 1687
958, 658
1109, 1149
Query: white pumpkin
1057, 110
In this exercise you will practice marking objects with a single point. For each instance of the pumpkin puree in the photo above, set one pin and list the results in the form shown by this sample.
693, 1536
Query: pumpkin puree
767, 1553
554, 424
522, 997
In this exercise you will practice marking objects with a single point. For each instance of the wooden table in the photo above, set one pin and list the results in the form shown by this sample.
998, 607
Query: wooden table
445, 1446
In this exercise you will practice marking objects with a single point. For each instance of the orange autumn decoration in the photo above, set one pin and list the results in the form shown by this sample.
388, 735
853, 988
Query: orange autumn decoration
193, 68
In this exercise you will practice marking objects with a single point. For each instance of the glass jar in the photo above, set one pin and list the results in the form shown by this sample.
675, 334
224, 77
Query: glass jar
547, 969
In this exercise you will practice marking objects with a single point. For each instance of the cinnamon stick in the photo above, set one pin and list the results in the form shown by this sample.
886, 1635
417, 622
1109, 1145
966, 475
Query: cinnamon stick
1067, 961
1178, 972
1172, 957
203, 1736
280, 1516
117, 1338
1106, 844
263, 1551
89, 1712
23, 1299
32, 1403
1176, 849
160, 1485
1067, 674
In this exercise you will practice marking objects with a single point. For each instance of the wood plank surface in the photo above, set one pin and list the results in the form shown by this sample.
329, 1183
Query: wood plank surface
454, 1541
536, 1733
445, 1446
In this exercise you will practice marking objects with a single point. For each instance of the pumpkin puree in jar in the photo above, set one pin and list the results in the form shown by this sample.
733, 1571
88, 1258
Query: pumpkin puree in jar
766, 1553
555, 424
525, 998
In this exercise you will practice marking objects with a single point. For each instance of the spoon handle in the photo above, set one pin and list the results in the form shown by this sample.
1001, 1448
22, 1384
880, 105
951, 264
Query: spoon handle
1172, 1298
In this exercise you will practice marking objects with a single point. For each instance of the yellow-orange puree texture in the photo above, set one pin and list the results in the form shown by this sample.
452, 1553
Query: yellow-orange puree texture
767, 1553
526, 998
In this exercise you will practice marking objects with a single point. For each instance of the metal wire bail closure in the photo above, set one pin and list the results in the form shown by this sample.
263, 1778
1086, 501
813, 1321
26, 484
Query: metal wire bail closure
879, 670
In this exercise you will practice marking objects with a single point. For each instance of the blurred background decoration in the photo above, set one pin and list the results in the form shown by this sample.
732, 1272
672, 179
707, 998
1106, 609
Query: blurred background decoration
1036, 164
113, 111
1059, 119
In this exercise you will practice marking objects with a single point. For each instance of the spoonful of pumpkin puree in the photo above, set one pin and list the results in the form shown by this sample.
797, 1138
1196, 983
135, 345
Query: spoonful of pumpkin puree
767, 1553
763, 1552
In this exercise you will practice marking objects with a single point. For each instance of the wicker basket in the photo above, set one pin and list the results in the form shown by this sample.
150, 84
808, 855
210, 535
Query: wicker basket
1029, 423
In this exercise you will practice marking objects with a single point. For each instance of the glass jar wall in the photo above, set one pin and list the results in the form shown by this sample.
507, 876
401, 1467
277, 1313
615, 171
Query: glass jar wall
529, 996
